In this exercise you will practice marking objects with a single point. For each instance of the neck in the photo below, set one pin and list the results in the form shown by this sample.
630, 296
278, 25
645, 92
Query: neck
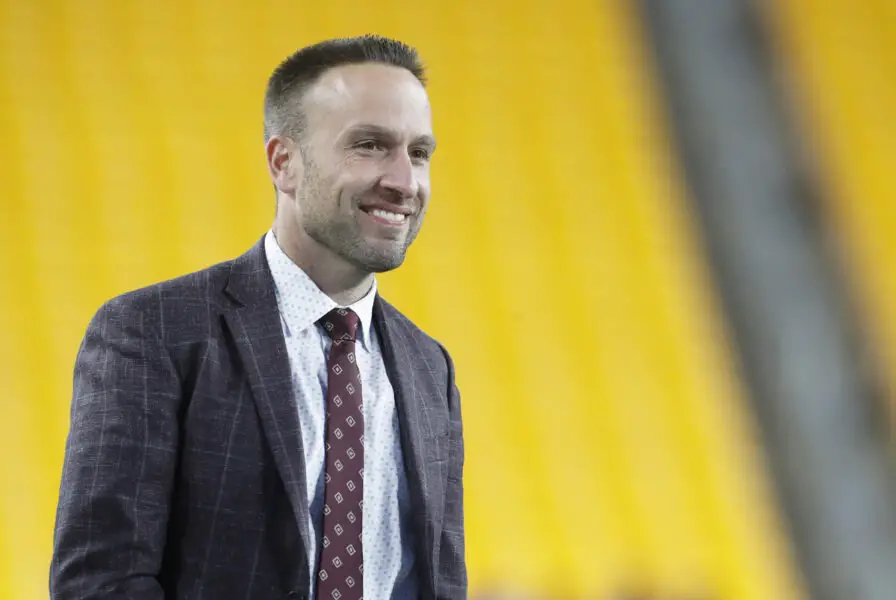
344, 283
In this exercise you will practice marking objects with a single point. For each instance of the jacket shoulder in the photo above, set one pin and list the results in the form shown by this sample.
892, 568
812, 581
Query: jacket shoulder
173, 306
421, 338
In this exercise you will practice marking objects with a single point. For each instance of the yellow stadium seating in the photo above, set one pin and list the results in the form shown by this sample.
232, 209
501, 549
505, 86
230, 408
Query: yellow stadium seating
608, 436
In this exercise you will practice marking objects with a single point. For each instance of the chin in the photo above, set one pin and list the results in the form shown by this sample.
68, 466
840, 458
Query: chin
379, 264
378, 258
385, 266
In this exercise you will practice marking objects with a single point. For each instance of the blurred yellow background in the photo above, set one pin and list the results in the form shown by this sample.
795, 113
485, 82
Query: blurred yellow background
839, 59
608, 445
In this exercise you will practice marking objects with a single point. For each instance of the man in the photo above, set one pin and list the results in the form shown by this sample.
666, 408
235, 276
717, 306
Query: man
270, 427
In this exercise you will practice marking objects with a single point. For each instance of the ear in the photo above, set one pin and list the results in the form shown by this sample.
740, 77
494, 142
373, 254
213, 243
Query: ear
284, 164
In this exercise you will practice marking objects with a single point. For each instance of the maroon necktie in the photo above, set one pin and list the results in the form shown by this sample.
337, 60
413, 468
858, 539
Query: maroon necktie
340, 574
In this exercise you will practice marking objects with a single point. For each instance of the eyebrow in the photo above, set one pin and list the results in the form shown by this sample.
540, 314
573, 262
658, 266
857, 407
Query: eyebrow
370, 129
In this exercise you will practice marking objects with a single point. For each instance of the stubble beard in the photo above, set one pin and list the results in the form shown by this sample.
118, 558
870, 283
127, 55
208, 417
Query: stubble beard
325, 221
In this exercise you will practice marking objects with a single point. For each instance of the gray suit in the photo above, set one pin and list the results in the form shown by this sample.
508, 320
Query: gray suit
183, 471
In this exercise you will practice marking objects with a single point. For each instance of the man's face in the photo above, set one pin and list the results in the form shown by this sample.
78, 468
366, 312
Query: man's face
365, 155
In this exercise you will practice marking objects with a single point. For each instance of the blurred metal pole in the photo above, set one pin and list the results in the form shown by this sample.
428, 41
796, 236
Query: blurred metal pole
781, 292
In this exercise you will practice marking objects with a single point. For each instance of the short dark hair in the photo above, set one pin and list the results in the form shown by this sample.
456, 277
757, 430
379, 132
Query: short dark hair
298, 72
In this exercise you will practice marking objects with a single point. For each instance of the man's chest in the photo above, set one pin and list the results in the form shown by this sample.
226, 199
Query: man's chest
386, 496
308, 365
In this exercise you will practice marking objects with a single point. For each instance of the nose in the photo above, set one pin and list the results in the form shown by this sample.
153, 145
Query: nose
399, 177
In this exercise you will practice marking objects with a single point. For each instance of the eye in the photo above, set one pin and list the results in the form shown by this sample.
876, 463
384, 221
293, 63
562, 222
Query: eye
370, 145
420, 154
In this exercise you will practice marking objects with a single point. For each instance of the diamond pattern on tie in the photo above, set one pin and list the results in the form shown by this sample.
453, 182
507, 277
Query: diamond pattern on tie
341, 569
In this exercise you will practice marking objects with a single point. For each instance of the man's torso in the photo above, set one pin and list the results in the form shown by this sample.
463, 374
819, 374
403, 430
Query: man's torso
184, 393
388, 538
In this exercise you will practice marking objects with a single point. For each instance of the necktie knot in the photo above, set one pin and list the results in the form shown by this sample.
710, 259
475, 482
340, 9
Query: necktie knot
341, 324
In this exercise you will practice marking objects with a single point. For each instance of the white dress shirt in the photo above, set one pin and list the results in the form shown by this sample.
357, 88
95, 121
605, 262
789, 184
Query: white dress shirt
388, 545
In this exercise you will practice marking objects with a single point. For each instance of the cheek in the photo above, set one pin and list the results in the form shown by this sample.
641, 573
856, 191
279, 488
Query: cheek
350, 186
422, 176
359, 177
424, 198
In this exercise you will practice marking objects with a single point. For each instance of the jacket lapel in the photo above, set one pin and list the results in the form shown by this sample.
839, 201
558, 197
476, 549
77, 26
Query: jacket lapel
425, 473
255, 323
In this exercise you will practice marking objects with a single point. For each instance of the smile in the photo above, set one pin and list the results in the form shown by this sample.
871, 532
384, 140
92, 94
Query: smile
387, 217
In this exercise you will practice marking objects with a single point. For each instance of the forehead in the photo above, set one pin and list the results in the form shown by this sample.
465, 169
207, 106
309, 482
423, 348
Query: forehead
383, 95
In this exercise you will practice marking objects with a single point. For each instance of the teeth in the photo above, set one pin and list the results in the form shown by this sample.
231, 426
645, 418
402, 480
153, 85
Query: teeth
389, 216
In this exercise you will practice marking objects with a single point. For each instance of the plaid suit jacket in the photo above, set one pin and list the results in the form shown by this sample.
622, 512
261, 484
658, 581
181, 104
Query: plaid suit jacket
183, 471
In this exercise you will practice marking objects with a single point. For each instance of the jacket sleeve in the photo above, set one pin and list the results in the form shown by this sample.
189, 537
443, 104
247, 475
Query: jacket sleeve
120, 458
452, 568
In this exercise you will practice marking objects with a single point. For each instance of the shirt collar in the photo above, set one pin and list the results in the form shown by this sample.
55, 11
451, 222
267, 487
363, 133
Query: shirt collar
309, 303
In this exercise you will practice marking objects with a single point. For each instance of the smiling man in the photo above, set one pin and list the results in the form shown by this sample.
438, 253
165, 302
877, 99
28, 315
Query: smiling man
270, 427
